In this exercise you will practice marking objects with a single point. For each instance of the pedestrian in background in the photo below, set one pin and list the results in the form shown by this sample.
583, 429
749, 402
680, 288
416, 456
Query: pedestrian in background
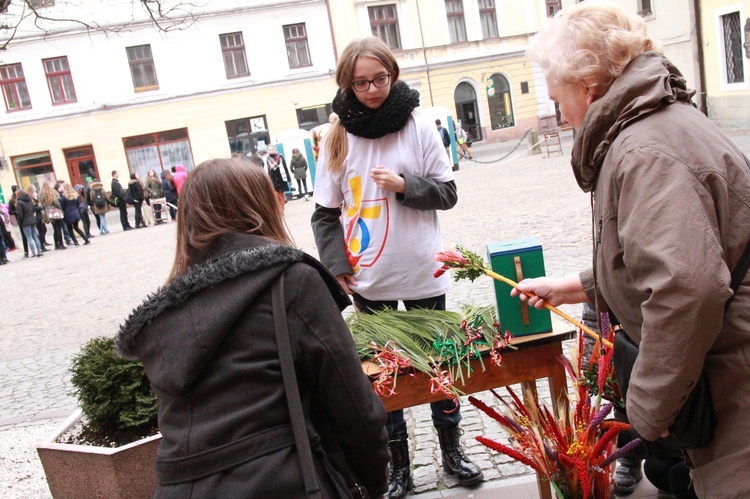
380, 149
26, 215
462, 138
228, 258
6, 228
51, 202
299, 169
69, 203
179, 177
671, 220
155, 191
83, 210
279, 173
13, 210
118, 193
170, 193
99, 205
136, 193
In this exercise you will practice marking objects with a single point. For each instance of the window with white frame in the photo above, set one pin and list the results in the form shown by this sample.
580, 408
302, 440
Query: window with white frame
454, 9
59, 80
488, 18
233, 52
297, 49
384, 24
15, 93
158, 151
142, 68
734, 68
644, 8
553, 7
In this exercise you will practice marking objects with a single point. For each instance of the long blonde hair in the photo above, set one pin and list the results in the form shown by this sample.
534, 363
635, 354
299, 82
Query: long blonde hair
224, 196
336, 145
48, 195
69, 192
590, 42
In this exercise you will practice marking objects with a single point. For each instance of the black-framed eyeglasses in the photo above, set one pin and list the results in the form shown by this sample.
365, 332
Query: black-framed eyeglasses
379, 82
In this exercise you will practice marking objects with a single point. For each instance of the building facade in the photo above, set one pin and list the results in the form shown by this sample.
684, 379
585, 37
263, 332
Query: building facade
112, 91
80, 103
726, 56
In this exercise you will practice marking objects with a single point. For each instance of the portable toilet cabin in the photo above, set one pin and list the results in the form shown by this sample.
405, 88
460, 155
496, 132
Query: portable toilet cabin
446, 120
288, 140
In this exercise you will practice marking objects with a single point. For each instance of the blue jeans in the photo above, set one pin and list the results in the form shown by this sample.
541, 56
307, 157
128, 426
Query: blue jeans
103, 229
445, 413
33, 239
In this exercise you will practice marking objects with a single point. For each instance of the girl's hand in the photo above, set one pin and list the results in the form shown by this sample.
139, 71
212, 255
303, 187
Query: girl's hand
388, 180
347, 280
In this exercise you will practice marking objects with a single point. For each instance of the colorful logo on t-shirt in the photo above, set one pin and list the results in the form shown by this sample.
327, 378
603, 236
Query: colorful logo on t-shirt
366, 227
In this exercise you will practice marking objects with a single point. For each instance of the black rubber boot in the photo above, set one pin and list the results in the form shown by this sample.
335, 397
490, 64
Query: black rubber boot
399, 480
454, 460
627, 475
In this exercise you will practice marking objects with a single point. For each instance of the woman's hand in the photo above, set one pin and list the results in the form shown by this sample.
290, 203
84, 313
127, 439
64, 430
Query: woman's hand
388, 180
553, 290
347, 280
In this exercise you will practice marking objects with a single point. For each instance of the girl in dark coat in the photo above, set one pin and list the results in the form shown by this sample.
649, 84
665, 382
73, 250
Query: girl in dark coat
208, 345
136, 191
170, 193
69, 203
26, 216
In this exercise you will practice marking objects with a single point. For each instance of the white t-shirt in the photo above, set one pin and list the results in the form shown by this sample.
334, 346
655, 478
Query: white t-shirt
391, 248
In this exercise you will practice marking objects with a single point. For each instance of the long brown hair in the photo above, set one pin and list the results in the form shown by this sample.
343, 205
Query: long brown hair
337, 146
224, 196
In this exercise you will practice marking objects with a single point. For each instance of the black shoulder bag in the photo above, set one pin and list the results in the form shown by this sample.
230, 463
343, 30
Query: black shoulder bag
693, 427
293, 400
299, 427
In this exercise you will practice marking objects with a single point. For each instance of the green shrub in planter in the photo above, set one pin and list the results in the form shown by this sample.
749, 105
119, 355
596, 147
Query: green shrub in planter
114, 394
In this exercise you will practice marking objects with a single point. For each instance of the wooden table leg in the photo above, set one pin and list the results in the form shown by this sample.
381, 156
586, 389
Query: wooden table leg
528, 390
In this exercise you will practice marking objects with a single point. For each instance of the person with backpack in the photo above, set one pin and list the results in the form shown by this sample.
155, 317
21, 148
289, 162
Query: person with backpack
99, 207
444, 137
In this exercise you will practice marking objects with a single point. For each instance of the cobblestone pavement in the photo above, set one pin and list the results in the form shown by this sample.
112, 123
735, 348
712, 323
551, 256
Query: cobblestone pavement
53, 305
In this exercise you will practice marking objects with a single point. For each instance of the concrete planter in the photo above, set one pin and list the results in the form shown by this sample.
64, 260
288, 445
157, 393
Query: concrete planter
75, 471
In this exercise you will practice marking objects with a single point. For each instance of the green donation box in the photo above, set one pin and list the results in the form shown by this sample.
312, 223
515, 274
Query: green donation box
518, 259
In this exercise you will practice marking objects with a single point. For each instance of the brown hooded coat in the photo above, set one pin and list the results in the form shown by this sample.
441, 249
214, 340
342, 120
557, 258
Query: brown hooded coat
671, 218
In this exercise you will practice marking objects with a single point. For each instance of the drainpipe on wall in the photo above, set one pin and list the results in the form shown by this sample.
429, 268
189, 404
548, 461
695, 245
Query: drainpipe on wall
695, 15
424, 54
333, 37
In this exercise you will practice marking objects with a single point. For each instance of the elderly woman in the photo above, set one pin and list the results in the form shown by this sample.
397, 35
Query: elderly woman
671, 215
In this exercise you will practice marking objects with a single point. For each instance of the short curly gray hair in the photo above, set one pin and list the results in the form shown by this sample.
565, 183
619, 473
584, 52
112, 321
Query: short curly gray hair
590, 42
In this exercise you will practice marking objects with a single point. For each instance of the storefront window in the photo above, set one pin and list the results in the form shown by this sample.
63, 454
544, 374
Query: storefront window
498, 99
33, 169
158, 151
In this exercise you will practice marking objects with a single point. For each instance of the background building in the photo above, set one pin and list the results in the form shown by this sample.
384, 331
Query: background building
120, 90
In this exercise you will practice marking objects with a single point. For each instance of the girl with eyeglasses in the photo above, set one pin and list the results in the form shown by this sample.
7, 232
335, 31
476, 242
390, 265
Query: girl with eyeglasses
383, 167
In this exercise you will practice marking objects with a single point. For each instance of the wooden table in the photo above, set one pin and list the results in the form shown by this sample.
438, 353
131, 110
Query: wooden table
536, 358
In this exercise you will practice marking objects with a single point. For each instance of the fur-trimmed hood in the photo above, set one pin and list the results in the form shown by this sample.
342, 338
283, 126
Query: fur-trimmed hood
190, 316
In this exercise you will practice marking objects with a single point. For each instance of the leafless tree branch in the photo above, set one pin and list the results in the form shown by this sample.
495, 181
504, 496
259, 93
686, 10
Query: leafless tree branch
162, 15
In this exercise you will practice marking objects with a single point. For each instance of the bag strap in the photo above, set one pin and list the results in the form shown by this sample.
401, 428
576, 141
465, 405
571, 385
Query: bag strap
742, 265
293, 400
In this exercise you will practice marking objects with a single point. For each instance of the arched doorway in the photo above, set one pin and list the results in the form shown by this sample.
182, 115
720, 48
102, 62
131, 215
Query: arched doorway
498, 98
466, 110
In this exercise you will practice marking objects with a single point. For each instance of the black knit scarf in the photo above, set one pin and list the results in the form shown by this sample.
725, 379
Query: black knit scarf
368, 123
